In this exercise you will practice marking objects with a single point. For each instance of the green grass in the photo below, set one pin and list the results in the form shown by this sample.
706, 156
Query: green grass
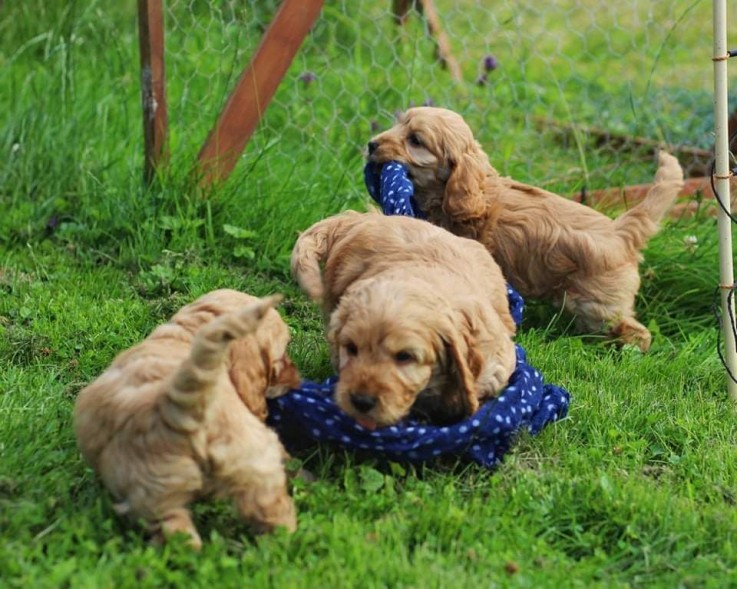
637, 487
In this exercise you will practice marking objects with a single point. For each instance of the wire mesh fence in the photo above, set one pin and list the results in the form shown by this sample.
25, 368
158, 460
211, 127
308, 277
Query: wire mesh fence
571, 95
565, 94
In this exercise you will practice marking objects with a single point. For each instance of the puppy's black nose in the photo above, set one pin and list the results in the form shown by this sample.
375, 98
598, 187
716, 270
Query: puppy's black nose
363, 402
372, 145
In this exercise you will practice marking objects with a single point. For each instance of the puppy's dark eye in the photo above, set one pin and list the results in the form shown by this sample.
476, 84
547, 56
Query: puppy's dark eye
351, 349
403, 357
415, 140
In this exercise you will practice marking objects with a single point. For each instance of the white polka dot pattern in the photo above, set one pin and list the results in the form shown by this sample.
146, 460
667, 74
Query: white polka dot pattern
484, 437
389, 185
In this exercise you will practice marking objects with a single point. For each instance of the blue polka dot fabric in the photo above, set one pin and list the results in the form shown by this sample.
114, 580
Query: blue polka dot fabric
389, 185
526, 403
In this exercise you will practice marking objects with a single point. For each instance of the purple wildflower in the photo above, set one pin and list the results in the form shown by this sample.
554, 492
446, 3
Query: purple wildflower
307, 78
490, 63
52, 224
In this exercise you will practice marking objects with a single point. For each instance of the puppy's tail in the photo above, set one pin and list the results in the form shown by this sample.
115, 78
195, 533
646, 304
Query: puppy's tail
311, 249
640, 223
194, 383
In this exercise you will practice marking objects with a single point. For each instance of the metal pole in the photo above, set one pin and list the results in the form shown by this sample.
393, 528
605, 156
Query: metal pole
721, 177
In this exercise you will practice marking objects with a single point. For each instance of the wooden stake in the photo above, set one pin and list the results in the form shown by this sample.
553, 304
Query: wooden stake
153, 85
695, 161
629, 196
400, 10
441, 40
256, 87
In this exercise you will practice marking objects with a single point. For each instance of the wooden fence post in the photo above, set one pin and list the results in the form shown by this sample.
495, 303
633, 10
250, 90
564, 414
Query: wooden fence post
256, 87
426, 8
153, 85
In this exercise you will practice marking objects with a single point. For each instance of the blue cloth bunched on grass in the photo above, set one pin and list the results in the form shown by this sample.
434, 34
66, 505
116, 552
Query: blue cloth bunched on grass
526, 403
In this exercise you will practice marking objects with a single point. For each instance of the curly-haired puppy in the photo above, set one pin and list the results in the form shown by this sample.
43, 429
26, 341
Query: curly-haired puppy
418, 318
547, 246
169, 421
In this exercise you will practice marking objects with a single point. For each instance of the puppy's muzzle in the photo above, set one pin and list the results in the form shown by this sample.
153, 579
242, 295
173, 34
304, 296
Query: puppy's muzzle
363, 402
372, 147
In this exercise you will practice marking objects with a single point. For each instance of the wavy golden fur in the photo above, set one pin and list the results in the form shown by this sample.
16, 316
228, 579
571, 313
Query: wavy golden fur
418, 319
180, 416
547, 246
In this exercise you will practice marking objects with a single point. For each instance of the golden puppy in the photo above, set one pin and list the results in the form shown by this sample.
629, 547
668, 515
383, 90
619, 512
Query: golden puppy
418, 318
168, 422
547, 246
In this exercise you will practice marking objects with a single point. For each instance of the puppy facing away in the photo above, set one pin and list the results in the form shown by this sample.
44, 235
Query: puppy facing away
174, 418
418, 318
548, 247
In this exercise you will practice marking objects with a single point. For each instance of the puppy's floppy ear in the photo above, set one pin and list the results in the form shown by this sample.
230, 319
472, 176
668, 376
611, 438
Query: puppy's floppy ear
466, 363
464, 189
334, 327
247, 375
283, 373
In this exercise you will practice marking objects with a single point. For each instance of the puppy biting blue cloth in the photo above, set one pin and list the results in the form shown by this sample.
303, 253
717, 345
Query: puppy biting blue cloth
390, 186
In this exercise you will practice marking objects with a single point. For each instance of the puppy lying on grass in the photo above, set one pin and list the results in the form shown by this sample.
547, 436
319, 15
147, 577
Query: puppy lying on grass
418, 318
173, 419
548, 247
